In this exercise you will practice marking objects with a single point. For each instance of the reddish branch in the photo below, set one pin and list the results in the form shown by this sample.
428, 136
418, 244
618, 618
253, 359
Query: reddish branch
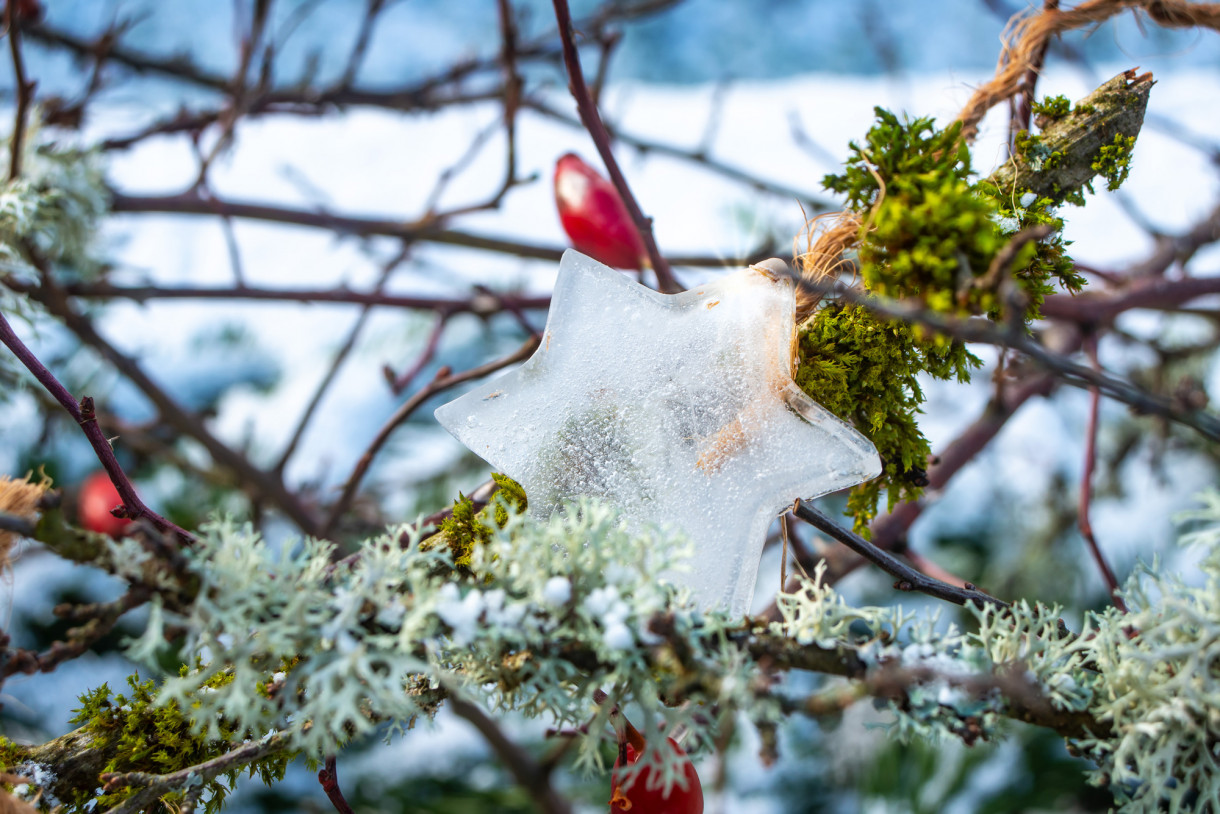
84, 415
443, 381
262, 483
601, 138
190, 203
329, 778
24, 88
479, 305
1086, 482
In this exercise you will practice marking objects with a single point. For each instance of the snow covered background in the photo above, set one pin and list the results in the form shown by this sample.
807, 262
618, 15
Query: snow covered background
818, 63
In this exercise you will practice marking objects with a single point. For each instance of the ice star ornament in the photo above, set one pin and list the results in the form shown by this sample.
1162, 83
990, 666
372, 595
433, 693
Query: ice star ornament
679, 410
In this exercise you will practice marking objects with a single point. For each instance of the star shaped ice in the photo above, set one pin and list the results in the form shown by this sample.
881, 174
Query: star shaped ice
678, 410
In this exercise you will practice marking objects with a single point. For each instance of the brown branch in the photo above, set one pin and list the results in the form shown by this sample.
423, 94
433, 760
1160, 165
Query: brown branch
812, 203
480, 305
529, 774
103, 618
262, 483
1026, 37
399, 383
24, 89
601, 138
336, 363
1023, 105
1014, 336
190, 203
84, 415
443, 381
1086, 482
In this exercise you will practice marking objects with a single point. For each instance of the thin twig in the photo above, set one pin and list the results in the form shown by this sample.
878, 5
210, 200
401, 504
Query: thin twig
24, 89
1023, 103
1013, 336
84, 415
190, 203
529, 774
336, 363
908, 578
399, 383
443, 381
480, 305
187, 423
1086, 481
601, 138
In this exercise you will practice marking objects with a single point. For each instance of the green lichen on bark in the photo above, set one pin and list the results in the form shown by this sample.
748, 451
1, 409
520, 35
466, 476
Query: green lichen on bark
133, 733
1065, 157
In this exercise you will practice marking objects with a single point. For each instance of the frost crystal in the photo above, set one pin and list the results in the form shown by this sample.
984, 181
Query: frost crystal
677, 410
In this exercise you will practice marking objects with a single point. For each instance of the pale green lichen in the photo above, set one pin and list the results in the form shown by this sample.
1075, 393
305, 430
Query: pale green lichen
553, 611
54, 206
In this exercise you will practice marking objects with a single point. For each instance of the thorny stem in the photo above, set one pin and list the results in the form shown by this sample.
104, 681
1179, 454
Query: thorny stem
601, 138
1086, 481
84, 415
329, 778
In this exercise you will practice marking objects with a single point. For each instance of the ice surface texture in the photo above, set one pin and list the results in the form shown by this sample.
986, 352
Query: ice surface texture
679, 410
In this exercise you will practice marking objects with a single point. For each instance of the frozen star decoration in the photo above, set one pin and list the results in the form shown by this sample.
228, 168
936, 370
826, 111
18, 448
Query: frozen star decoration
679, 410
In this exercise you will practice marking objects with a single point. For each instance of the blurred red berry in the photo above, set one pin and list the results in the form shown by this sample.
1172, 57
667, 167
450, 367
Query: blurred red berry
593, 215
28, 11
97, 497
644, 793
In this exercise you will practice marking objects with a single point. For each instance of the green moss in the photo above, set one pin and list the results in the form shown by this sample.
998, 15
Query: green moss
866, 371
513, 497
1052, 107
466, 528
1113, 161
143, 736
10, 753
929, 232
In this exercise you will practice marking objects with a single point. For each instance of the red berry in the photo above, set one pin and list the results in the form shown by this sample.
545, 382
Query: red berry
593, 215
28, 11
644, 793
97, 497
